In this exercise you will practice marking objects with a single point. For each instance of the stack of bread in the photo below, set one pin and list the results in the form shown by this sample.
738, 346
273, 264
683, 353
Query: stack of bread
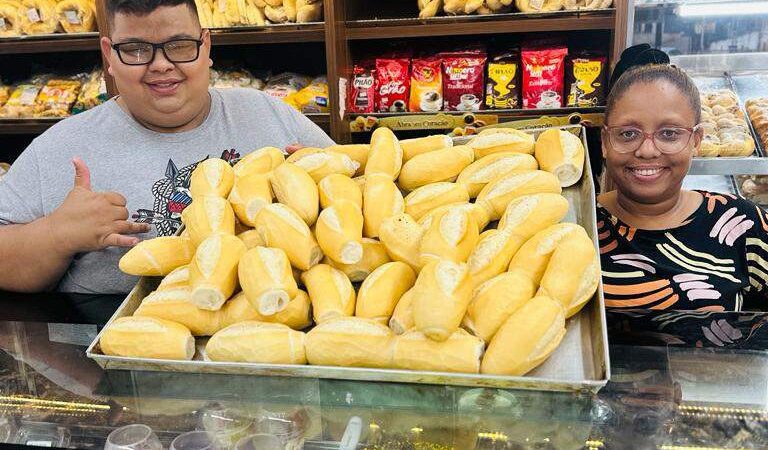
726, 132
757, 109
413, 254
235, 13
432, 8
32, 17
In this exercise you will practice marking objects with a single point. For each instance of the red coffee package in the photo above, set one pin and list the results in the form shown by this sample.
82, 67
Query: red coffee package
463, 81
393, 83
362, 91
426, 85
543, 73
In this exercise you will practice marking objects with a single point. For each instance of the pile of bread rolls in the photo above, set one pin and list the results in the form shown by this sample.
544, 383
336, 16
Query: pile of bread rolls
757, 109
235, 13
35, 17
432, 8
413, 254
726, 132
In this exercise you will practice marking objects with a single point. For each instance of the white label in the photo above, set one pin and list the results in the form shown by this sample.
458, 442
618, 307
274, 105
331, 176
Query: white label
33, 15
2, 24
73, 334
28, 96
537, 4
342, 97
72, 17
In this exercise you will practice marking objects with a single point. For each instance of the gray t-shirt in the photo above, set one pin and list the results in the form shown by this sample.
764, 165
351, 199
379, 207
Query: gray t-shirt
150, 169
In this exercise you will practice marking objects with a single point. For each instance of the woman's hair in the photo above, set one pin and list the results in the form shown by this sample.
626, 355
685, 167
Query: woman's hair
650, 73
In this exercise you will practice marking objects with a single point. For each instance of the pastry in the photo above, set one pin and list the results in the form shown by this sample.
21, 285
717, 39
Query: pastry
374, 256
494, 301
206, 216
533, 257
452, 235
418, 146
339, 231
358, 153
380, 292
297, 314
386, 155
248, 195
401, 236
323, 163
350, 342
267, 280
280, 227
294, 188
330, 292
381, 200
263, 160
257, 342
442, 293
175, 305
435, 166
339, 187
561, 152
213, 271
147, 337
492, 167
424, 199
461, 352
496, 195
158, 256
502, 140
213, 176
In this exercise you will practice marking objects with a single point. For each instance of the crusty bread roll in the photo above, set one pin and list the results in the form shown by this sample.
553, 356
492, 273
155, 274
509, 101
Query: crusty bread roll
257, 342
339, 231
418, 146
509, 140
432, 196
572, 274
147, 337
339, 187
386, 155
330, 291
214, 176
381, 199
294, 187
533, 6
496, 195
158, 256
526, 338
263, 160
561, 153
282, 228
492, 254
297, 314
302, 153
267, 280
478, 213
358, 153
402, 317
251, 239
461, 352
323, 163
401, 236
213, 270
529, 214
178, 278
208, 215
432, 167
175, 305
380, 292
533, 257
494, 301
374, 256
248, 195
492, 167
350, 342
442, 293
452, 235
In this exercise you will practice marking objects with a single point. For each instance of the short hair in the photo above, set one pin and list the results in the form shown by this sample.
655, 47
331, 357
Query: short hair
143, 7
656, 72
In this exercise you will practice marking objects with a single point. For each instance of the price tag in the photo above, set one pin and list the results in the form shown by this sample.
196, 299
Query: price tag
33, 15
2, 24
72, 17
537, 4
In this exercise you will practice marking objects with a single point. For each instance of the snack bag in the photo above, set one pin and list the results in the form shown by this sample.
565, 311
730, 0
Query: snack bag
543, 77
313, 98
92, 94
21, 102
502, 88
362, 94
56, 98
393, 83
585, 80
463, 80
426, 85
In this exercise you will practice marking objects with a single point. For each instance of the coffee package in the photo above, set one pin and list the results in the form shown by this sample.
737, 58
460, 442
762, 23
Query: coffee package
543, 76
393, 83
585, 80
502, 87
463, 80
426, 85
362, 94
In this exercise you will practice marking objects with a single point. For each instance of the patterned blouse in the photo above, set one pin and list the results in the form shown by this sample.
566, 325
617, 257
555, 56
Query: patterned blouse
716, 260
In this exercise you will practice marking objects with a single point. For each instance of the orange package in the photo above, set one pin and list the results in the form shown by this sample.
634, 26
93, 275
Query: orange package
426, 85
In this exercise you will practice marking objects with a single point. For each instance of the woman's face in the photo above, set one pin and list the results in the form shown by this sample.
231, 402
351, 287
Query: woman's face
646, 175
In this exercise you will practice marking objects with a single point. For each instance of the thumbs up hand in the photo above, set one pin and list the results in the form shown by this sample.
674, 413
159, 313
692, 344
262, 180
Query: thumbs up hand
90, 221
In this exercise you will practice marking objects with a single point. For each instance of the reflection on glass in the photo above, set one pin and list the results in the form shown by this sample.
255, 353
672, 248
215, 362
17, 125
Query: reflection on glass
194, 440
226, 425
261, 442
133, 437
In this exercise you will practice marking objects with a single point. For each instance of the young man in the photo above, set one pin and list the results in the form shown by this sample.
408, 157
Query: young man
132, 156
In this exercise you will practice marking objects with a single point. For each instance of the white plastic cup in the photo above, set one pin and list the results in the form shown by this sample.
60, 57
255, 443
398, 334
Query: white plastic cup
133, 437
193, 440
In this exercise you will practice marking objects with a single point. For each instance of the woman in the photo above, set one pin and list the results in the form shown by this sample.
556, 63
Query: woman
663, 247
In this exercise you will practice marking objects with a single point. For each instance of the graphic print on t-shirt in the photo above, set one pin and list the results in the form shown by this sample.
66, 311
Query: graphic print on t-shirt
172, 195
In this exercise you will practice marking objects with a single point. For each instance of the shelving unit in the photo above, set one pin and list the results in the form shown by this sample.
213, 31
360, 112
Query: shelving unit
50, 43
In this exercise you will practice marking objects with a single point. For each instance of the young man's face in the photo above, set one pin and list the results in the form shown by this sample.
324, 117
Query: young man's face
162, 94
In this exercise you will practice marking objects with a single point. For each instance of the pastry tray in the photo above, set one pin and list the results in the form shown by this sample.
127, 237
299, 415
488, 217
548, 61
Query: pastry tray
580, 363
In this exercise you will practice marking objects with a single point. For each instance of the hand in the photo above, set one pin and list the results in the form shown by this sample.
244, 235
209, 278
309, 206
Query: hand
293, 148
90, 221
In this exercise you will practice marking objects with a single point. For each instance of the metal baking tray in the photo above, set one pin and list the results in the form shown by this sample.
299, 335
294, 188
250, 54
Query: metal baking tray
747, 86
580, 363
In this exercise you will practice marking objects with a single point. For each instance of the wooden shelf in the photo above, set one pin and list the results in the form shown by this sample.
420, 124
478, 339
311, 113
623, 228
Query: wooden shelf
321, 119
50, 43
272, 34
26, 126
473, 25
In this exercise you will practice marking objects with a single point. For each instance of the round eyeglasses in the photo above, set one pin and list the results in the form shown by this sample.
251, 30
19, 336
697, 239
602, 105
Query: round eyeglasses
668, 140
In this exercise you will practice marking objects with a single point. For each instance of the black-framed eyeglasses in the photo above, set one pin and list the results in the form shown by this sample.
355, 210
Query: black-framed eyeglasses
668, 140
143, 53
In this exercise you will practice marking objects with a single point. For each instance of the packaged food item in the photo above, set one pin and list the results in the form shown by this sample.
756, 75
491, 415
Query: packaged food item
92, 94
585, 80
76, 16
57, 98
285, 84
9, 23
543, 73
313, 98
426, 85
502, 88
5, 93
463, 80
362, 93
393, 83
224, 79
21, 102
38, 17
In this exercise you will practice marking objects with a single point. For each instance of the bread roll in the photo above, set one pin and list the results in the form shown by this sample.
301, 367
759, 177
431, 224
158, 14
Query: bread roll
529, 214
438, 165
158, 256
282, 228
339, 231
402, 317
401, 236
213, 176
432, 196
263, 160
321, 164
374, 256
496, 195
147, 337
213, 271
266, 278
251, 239
380, 292
452, 235
350, 342
418, 146
476, 211
178, 278
257, 342
208, 215
561, 152
330, 291
175, 305
381, 200
533, 6
572, 274
492, 254
302, 153
509, 140
248, 195
533, 257
461, 352
358, 153
526, 339
442, 293
494, 301
294, 187
386, 155
296, 315
492, 167
339, 187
